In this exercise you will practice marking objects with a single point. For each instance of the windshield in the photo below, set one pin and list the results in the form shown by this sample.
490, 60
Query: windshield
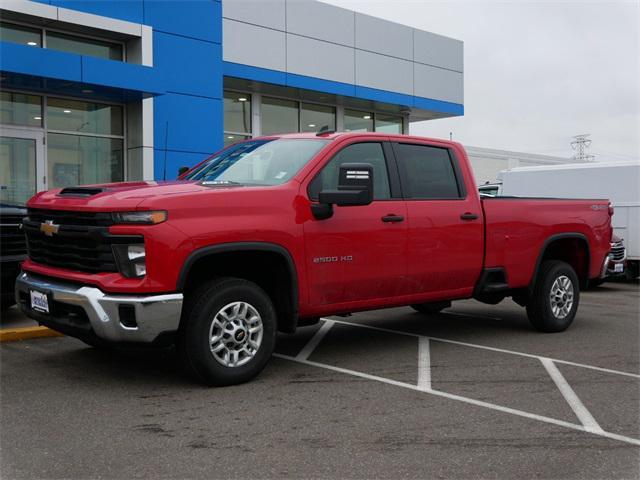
259, 162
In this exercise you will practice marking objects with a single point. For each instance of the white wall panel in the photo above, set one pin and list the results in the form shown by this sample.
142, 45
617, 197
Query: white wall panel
439, 51
385, 73
315, 58
267, 13
377, 35
252, 45
437, 83
322, 21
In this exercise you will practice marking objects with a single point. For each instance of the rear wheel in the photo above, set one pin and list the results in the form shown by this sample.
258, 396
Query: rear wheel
433, 307
228, 331
555, 298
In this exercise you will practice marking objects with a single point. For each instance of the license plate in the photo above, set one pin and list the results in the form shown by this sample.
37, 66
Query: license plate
618, 268
39, 301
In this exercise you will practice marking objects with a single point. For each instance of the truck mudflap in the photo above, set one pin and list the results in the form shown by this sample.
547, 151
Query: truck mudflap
89, 313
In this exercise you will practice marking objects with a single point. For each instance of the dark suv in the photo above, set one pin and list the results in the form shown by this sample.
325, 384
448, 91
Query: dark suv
13, 250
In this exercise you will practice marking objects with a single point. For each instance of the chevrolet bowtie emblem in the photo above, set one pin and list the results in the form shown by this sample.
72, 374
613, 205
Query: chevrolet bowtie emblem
49, 228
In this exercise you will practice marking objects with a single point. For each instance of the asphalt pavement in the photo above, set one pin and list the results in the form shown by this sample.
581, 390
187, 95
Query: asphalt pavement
472, 392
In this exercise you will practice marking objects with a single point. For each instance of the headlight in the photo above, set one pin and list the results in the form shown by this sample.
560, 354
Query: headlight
145, 218
131, 260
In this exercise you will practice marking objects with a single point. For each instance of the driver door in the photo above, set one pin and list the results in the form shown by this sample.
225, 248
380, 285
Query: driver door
359, 253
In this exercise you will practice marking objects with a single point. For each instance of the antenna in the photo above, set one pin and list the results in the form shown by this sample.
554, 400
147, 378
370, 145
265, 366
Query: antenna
580, 145
166, 139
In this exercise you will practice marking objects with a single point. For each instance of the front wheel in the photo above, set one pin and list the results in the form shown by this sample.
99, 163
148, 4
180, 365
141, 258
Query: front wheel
555, 298
228, 332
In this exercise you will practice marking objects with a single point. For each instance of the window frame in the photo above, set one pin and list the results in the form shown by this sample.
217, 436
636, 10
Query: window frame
44, 127
395, 190
455, 166
43, 38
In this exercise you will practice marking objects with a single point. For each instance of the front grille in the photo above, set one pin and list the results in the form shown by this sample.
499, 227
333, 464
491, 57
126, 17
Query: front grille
617, 251
82, 241
12, 241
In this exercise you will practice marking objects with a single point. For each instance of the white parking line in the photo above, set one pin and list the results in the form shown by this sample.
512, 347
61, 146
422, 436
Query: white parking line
484, 347
572, 399
459, 398
315, 340
424, 364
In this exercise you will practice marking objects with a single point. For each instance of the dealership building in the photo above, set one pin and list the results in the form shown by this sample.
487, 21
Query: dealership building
100, 91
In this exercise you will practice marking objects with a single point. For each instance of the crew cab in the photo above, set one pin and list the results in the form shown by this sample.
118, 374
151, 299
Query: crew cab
273, 233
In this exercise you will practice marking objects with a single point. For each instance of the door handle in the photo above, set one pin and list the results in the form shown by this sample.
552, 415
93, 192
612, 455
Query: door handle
393, 218
469, 216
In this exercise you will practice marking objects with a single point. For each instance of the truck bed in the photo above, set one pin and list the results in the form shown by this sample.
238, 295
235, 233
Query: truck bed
517, 228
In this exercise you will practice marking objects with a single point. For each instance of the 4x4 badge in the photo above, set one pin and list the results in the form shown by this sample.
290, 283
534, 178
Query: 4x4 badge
49, 228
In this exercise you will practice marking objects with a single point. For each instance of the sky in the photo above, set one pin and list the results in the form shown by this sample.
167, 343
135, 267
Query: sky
536, 72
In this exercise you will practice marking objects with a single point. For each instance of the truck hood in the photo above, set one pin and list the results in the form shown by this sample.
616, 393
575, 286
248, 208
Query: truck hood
119, 196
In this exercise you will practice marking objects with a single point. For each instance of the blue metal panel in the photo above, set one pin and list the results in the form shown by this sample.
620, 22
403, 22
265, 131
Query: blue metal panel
194, 123
173, 161
438, 106
201, 19
130, 10
40, 62
128, 76
187, 65
328, 86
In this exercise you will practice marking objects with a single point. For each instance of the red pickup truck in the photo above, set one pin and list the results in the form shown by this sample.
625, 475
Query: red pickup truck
272, 233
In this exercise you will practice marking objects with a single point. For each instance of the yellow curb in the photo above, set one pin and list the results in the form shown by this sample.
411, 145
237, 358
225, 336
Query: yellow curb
26, 333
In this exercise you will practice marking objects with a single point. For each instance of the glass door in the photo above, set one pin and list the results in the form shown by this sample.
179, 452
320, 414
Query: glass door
21, 164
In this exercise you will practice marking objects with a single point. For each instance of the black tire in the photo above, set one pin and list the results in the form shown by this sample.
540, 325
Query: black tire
433, 307
539, 308
199, 311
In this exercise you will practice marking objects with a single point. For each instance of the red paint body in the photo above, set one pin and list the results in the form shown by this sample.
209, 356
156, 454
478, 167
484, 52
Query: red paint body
432, 255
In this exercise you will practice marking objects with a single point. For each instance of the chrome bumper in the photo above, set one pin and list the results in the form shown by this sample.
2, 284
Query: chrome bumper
154, 314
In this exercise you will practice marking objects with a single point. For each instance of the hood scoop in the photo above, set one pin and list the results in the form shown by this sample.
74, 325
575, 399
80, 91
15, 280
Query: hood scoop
81, 191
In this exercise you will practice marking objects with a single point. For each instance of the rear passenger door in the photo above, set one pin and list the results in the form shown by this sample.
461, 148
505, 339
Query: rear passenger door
445, 240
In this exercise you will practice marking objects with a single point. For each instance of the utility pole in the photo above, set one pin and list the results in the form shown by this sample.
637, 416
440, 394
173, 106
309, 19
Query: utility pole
580, 144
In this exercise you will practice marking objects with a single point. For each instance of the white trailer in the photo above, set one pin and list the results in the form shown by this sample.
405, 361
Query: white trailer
618, 182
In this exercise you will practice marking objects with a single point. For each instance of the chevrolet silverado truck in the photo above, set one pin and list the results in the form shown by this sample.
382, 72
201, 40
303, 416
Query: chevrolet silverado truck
272, 233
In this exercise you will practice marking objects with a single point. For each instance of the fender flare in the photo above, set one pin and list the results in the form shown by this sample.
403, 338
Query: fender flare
244, 247
549, 241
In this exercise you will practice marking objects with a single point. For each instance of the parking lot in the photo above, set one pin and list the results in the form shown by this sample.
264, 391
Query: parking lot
471, 392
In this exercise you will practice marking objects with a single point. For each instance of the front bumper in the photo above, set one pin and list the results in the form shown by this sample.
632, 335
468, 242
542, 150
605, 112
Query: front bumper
89, 313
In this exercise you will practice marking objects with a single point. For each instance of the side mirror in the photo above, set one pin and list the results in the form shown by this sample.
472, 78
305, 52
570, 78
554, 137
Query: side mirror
355, 186
182, 170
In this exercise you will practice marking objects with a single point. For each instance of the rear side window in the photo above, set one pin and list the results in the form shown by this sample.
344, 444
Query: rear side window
371, 153
427, 172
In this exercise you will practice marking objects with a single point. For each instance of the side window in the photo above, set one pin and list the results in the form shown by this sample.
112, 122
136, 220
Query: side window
371, 153
427, 172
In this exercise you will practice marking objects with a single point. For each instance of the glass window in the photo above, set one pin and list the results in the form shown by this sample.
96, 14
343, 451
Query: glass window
17, 169
19, 34
77, 160
84, 117
20, 109
355, 121
84, 46
279, 116
371, 153
388, 123
260, 162
237, 112
427, 172
314, 117
230, 138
